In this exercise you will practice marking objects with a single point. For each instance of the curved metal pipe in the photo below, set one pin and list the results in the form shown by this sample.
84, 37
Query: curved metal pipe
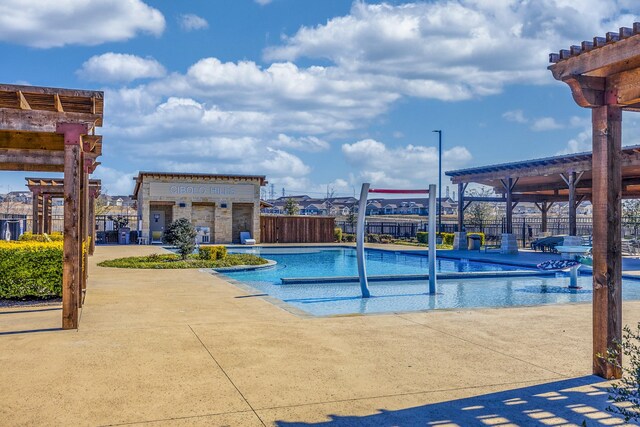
362, 210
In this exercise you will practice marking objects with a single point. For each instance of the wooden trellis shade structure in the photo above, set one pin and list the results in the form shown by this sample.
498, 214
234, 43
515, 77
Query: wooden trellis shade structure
53, 130
545, 181
44, 190
604, 75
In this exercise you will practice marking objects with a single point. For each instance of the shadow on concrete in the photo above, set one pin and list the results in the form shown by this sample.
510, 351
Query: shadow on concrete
575, 402
30, 331
34, 310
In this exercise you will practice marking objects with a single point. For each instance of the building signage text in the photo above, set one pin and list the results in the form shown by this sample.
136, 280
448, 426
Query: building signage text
202, 190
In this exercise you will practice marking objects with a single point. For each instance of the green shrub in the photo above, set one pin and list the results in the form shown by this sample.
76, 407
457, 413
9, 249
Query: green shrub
171, 261
447, 238
30, 270
348, 237
337, 234
624, 394
423, 237
373, 238
204, 252
212, 252
30, 237
181, 234
386, 238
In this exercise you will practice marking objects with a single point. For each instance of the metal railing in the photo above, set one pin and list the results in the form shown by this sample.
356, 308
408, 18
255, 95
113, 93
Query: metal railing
525, 229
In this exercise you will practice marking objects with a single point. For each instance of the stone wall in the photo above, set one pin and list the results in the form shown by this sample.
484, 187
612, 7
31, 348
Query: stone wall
209, 210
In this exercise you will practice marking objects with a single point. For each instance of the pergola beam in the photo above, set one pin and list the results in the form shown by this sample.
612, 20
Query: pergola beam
48, 129
43, 121
554, 166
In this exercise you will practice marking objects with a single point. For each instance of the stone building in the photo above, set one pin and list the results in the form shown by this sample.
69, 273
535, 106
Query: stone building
219, 206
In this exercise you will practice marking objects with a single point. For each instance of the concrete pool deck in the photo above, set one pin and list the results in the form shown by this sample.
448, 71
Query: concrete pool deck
183, 347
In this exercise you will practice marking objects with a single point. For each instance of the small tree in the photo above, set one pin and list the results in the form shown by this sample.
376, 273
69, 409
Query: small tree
181, 234
625, 394
291, 207
480, 212
352, 218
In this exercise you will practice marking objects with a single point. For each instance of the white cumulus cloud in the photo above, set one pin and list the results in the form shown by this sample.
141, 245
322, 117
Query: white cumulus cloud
401, 166
46, 24
453, 49
305, 143
119, 67
190, 22
516, 116
545, 124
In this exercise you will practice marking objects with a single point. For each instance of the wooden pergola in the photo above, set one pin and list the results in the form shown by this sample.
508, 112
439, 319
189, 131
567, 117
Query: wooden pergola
604, 75
566, 178
53, 130
44, 190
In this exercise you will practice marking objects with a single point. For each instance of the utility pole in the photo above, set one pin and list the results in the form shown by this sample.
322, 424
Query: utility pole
439, 180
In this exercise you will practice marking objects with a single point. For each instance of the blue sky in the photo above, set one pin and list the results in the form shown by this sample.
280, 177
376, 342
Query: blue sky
314, 94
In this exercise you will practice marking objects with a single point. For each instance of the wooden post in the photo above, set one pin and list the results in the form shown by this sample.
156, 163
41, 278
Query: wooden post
544, 210
572, 204
46, 213
84, 219
607, 254
34, 212
92, 221
50, 218
71, 275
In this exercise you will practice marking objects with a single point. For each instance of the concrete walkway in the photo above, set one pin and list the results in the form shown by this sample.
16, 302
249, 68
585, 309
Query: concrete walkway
182, 347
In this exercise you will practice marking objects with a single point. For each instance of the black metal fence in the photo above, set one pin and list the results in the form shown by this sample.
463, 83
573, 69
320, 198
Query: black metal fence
525, 229
107, 226
395, 229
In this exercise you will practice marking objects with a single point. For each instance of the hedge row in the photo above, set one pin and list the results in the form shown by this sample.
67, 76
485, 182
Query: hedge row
30, 270
447, 238
30, 237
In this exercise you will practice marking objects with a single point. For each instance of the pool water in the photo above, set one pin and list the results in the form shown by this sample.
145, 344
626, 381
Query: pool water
326, 297
338, 261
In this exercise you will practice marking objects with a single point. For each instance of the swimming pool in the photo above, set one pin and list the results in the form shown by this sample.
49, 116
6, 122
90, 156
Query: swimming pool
324, 296
341, 261
328, 299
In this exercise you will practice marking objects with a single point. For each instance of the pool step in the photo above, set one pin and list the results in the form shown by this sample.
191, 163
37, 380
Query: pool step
406, 277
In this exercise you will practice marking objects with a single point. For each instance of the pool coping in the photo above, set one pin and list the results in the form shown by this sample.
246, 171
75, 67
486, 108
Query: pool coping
270, 263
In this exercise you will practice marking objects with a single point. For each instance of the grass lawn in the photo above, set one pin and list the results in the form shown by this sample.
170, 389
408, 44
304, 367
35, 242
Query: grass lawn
170, 261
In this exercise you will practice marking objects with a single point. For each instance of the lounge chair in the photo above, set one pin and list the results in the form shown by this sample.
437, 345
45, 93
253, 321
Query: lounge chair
547, 244
245, 238
626, 247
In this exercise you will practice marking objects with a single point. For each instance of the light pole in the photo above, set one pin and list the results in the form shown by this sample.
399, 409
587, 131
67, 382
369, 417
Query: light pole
439, 180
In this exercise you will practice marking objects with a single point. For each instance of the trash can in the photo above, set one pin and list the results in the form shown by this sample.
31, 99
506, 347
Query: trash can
123, 235
474, 242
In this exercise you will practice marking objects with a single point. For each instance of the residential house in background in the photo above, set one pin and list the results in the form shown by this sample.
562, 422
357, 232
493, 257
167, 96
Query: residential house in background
343, 206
